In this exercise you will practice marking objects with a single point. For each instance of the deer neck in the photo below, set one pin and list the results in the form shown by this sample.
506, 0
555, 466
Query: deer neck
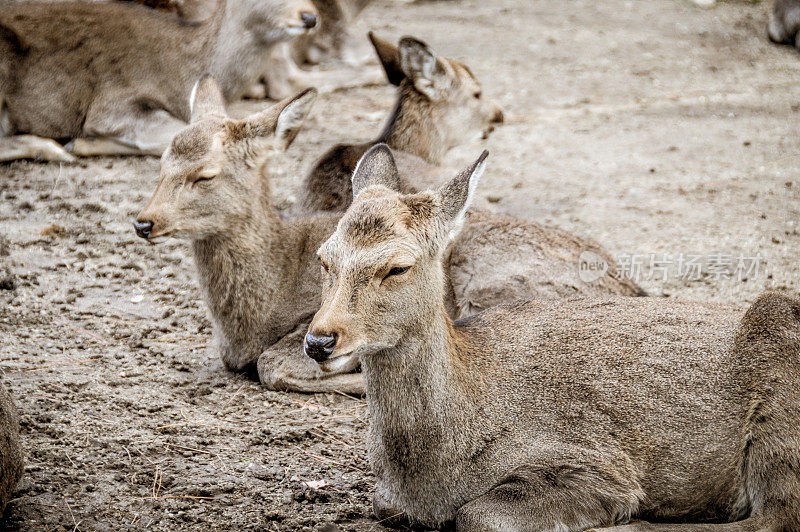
422, 399
239, 271
412, 128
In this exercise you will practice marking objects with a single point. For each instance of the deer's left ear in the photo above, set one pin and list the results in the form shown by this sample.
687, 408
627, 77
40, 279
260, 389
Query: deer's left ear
423, 68
206, 99
292, 117
284, 119
456, 195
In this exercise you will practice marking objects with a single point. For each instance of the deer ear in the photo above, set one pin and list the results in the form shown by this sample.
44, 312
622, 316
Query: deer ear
389, 56
456, 195
283, 119
422, 66
292, 117
206, 99
376, 167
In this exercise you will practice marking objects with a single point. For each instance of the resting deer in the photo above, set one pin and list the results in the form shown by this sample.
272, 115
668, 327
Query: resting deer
331, 42
553, 415
439, 105
259, 272
784, 23
135, 96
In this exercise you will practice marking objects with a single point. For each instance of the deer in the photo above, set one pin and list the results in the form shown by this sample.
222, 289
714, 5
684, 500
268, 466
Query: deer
784, 22
561, 415
257, 267
144, 65
11, 461
440, 104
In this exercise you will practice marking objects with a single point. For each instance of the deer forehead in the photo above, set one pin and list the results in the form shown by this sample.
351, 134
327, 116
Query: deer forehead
197, 146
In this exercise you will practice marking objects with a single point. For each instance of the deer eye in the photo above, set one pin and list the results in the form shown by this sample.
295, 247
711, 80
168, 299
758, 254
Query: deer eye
477, 95
399, 270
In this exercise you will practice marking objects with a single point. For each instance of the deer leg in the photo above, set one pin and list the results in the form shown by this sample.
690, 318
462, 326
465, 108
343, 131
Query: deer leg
284, 366
121, 129
33, 147
564, 493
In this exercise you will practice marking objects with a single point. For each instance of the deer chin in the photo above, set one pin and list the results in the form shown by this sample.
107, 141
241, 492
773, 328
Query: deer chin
341, 364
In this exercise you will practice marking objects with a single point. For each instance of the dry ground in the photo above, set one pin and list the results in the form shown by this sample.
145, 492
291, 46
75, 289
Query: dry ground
653, 126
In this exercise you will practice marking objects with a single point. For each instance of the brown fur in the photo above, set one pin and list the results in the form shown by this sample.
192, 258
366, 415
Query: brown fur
436, 109
11, 462
258, 270
144, 65
558, 414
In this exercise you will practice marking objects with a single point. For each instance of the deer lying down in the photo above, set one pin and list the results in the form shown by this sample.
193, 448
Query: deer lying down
784, 23
259, 272
11, 462
331, 43
135, 96
439, 105
554, 415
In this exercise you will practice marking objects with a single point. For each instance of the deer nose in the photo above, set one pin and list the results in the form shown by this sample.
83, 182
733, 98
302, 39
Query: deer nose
320, 348
309, 19
143, 229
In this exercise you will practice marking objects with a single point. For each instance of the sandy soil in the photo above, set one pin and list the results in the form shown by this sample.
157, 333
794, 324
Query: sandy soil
654, 127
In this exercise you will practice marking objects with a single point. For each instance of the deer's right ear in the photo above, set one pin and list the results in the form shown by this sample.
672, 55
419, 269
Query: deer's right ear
376, 167
389, 56
206, 99
456, 195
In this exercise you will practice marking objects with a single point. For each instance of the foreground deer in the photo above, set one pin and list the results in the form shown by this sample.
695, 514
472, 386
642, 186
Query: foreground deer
784, 23
11, 462
439, 105
135, 95
553, 415
259, 272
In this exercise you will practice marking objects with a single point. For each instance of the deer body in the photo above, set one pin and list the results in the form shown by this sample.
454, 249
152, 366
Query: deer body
118, 76
439, 105
553, 414
12, 464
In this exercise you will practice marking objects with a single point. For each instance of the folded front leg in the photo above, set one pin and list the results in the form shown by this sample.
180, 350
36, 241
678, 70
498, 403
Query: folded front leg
284, 366
567, 494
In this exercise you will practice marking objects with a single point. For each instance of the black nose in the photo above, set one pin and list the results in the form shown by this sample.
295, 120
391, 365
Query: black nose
143, 228
320, 348
309, 19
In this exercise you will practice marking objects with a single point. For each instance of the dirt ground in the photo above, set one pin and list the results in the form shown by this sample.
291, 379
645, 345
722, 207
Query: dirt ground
652, 126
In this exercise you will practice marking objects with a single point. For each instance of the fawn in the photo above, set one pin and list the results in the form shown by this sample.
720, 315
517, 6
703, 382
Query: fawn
553, 414
439, 105
144, 64
259, 272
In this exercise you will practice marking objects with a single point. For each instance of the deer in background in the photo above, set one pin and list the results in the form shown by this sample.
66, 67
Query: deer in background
554, 415
144, 65
259, 272
439, 105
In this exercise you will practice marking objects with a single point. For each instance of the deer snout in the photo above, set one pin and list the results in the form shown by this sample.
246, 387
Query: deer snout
320, 347
143, 228
309, 19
